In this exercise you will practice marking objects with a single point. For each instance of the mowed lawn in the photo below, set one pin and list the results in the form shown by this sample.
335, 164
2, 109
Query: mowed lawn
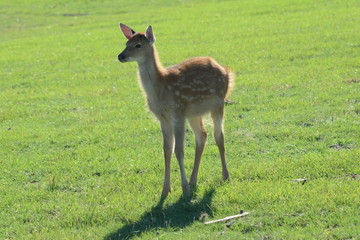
81, 156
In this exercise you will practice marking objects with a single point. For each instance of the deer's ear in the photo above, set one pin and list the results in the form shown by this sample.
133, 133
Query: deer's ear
150, 34
127, 31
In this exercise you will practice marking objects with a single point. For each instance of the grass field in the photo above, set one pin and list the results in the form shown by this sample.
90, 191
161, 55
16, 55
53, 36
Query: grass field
81, 156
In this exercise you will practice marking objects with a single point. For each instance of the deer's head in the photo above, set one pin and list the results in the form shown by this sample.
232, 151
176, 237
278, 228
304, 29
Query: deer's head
138, 46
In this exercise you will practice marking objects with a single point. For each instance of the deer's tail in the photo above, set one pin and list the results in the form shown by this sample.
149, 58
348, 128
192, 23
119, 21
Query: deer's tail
230, 81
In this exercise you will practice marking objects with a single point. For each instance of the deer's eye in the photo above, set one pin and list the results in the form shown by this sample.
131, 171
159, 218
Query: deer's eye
138, 46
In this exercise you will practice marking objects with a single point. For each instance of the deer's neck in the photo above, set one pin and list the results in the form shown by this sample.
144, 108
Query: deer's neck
151, 71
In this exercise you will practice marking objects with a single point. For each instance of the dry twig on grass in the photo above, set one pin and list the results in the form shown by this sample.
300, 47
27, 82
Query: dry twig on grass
228, 218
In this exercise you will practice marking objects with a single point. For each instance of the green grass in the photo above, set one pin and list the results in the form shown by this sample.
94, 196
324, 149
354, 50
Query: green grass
81, 157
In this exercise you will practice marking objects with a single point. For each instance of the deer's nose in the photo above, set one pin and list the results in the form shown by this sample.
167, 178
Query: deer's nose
121, 57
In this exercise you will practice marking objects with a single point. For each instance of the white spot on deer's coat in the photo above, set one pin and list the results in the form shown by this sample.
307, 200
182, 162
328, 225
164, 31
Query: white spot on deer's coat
184, 97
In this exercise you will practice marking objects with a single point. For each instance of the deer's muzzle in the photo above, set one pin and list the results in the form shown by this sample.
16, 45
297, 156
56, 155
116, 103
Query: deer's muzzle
122, 57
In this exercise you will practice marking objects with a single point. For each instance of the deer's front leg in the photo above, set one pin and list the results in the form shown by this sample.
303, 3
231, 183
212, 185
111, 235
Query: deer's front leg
179, 130
168, 137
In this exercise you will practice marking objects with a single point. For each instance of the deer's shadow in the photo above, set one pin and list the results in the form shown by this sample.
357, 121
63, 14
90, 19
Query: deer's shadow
178, 215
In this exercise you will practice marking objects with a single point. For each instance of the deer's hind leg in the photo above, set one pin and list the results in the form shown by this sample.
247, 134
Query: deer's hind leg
200, 139
217, 117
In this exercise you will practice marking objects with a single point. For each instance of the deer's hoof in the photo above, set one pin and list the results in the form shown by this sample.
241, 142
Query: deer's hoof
165, 192
186, 190
226, 176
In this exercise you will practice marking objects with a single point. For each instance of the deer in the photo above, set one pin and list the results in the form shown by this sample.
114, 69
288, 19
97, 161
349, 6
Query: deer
186, 91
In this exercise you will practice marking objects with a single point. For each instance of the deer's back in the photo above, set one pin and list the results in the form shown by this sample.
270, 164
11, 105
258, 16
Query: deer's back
197, 85
200, 76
